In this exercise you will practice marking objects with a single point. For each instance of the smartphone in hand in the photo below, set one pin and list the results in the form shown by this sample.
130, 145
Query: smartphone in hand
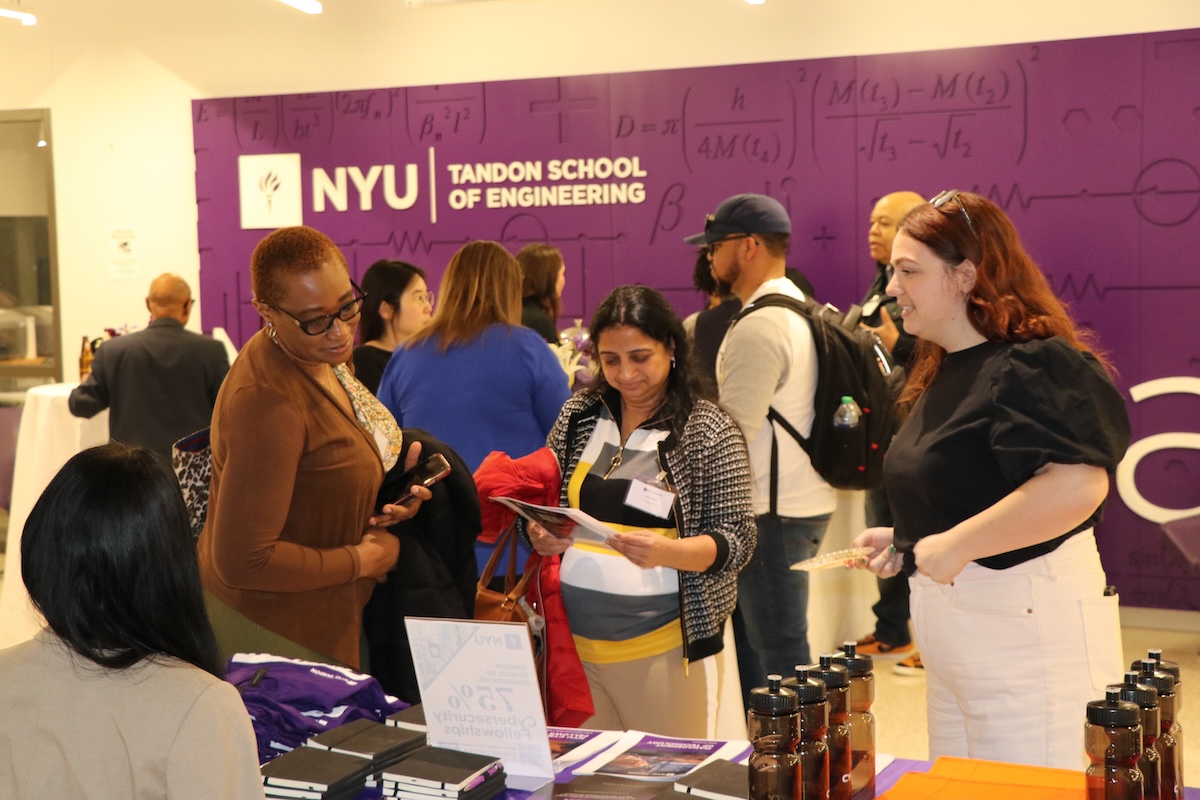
427, 473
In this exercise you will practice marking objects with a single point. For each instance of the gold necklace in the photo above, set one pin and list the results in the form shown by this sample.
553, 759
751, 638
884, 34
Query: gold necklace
327, 384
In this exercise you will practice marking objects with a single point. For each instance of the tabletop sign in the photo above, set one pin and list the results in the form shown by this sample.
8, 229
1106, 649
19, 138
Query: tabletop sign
480, 692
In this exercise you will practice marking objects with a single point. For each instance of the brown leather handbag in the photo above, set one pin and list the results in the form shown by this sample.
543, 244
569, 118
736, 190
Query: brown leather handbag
508, 605
511, 605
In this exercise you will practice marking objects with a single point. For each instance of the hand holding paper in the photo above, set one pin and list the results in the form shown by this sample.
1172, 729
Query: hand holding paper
546, 543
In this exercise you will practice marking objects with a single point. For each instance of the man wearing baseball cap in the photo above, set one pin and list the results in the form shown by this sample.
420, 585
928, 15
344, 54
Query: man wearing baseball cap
766, 361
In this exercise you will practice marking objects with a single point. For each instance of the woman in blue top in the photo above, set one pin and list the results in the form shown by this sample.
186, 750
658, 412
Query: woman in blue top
995, 482
474, 378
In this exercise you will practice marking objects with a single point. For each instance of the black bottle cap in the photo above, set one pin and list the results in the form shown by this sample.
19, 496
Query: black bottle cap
1154, 655
1164, 682
774, 698
809, 687
1133, 690
1112, 711
1172, 667
835, 676
855, 662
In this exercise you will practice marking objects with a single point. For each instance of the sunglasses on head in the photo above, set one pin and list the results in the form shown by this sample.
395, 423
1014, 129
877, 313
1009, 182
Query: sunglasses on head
952, 194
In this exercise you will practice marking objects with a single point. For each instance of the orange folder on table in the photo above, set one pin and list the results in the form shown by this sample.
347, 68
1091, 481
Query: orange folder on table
970, 779
972, 769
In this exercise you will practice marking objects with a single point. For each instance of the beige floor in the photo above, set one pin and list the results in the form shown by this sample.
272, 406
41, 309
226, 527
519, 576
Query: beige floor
900, 701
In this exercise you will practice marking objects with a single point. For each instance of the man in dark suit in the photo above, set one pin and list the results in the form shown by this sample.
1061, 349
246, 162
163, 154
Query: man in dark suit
160, 383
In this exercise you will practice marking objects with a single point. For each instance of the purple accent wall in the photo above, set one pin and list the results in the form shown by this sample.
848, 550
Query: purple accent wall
1092, 147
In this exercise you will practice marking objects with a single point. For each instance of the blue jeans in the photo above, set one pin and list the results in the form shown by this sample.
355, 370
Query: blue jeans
770, 624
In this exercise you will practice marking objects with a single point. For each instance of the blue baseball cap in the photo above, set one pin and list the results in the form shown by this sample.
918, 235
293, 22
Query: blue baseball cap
744, 214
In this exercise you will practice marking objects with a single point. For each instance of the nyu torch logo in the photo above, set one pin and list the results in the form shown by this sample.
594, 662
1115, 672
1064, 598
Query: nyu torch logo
269, 184
269, 191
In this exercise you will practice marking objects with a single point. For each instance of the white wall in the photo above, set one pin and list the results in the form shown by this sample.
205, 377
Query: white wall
119, 75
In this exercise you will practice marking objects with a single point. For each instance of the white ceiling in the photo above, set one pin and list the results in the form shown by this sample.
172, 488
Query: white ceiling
226, 47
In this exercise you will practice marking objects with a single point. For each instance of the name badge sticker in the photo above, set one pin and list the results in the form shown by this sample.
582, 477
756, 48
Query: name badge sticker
650, 499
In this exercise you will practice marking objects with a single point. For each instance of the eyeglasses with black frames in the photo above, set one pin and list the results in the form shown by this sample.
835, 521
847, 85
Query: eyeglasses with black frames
952, 194
320, 325
712, 247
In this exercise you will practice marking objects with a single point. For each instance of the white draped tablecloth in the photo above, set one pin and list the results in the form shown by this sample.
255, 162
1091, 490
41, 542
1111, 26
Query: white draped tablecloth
47, 438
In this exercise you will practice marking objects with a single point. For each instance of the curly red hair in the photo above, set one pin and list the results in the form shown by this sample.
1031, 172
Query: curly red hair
1011, 300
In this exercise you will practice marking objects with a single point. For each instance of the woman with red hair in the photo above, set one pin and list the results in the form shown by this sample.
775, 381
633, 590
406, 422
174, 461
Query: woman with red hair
996, 480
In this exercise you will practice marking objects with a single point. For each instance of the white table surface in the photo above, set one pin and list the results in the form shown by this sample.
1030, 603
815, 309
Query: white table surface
47, 438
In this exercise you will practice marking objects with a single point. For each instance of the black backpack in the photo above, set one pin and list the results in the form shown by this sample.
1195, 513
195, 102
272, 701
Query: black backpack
851, 362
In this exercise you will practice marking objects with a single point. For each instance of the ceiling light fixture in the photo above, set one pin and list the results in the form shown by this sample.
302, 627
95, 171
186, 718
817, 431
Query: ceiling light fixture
307, 6
25, 19
756, 2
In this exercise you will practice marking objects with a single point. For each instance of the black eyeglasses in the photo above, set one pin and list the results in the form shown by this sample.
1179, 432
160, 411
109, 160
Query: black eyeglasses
319, 325
946, 197
711, 247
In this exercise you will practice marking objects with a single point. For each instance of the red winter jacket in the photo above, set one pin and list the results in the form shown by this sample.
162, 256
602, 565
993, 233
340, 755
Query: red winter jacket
535, 479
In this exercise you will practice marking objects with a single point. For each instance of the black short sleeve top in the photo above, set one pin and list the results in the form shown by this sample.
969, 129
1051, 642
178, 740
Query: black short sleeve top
994, 415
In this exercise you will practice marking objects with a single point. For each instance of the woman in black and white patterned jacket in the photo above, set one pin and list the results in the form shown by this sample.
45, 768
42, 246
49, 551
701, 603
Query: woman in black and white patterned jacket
642, 452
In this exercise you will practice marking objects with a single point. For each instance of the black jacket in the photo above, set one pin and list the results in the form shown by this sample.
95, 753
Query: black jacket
159, 385
436, 574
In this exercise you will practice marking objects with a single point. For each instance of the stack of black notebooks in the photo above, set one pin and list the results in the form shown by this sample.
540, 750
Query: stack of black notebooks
315, 774
339, 762
412, 717
434, 773
383, 745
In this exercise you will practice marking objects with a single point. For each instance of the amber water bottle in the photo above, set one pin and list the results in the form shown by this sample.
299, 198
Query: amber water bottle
1170, 756
1155, 654
85, 360
1112, 737
1145, 697
837, 737
774, 729
813, 780
860, 719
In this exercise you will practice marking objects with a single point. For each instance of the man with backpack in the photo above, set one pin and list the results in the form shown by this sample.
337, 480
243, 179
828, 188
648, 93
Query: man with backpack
767, 361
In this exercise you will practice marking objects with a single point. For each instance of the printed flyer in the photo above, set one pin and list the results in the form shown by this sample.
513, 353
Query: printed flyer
649, 757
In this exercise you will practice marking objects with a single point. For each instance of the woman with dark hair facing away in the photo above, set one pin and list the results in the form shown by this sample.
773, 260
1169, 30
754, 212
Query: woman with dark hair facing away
473, 377
995, 481
643, 452
397, 305
544, 276
120, 695
293, 546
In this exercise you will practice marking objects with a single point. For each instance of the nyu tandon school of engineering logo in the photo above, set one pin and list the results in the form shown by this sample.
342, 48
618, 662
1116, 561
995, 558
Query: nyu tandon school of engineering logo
269, 191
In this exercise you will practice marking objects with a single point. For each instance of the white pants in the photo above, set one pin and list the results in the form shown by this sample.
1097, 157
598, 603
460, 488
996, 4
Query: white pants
1012, 657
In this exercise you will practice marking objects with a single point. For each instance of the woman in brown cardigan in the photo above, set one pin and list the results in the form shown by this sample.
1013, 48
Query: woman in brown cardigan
292, 546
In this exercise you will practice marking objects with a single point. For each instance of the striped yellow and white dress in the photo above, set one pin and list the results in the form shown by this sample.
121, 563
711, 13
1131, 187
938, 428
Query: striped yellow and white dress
618, 610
